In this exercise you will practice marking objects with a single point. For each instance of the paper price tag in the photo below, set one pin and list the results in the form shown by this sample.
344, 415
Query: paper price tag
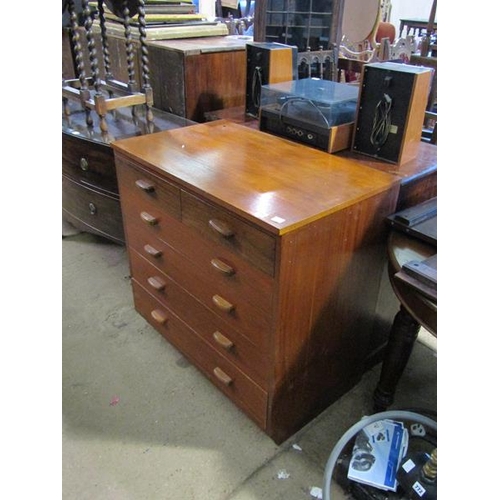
419, 489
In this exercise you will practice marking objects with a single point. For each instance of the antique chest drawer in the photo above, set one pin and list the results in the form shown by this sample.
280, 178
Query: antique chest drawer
225, 375
97, 210
219, 225
220, 334
89, 163
177, 249
146, 191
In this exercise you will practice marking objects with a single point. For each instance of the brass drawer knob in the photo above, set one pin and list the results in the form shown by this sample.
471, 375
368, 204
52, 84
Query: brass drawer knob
145, 185
159, 316
221, 227
222, 267
149, 219
157, 283
152, 251
223, 341
222, 303
84, 164
222, 376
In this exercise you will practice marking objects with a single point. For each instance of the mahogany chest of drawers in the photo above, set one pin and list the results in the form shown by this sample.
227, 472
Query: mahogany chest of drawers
259, 259
90, 196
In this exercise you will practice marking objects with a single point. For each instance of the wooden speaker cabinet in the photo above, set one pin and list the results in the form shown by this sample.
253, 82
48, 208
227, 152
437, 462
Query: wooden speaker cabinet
391, 109
267, 63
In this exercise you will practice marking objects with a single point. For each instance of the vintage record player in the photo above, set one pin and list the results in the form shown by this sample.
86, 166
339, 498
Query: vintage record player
320, 113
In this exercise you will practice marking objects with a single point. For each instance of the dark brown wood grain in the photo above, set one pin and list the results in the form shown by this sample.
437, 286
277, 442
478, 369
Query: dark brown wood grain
192, 77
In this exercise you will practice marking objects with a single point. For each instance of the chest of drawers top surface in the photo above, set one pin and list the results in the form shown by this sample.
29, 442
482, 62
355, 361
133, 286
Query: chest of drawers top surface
275, 183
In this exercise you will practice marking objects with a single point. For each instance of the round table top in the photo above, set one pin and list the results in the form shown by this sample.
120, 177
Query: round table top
403, 248
359, 19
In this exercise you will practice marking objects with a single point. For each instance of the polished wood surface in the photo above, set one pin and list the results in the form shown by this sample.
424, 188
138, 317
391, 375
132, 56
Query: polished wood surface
90, 197
403, 249
262, 257
418, 177
191, 77
277, 184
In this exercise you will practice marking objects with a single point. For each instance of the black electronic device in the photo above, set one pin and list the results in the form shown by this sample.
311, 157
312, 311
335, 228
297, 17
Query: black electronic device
267, 62
319, 113
391, 110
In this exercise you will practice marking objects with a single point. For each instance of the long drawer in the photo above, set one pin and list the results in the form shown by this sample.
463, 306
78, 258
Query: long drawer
98, 212
148, 226
225, 375
218, 333
219, 225
89, 163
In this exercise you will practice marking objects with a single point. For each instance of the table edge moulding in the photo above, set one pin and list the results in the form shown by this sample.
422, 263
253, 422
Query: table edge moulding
250, 254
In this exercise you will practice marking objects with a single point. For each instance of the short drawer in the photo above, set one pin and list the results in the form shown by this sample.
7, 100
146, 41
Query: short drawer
225, 375
242, 238
245, 348
97, 211
89, 162
177, 250
143, 189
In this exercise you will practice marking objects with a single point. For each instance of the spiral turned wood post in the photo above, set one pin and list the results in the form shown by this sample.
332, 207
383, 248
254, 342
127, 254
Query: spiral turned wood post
80, 65
148, 91
100, 104
129, 49
105, 44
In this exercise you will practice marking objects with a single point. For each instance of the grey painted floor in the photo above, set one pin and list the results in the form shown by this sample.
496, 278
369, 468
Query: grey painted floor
141, 423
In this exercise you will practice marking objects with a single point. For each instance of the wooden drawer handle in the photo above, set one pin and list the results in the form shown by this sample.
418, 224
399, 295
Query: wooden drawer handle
145, 185
221, 227
157, 283
152, 251
222, 304
223, 377
222, 267
159, 316
222, 340
149, 219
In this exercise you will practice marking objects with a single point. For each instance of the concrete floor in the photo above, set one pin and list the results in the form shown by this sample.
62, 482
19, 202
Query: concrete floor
141, 423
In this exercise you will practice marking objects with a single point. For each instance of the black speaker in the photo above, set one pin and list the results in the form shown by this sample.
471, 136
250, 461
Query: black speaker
267, 62
391, 110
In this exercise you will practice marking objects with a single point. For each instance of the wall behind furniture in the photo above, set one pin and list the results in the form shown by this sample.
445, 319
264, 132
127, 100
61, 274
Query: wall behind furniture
402, 9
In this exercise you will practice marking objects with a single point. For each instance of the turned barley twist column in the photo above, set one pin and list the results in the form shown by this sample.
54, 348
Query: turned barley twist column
105, 43
148, 91
100, 106
80, 65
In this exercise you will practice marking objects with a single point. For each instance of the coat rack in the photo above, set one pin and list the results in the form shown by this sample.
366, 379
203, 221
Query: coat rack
103, 95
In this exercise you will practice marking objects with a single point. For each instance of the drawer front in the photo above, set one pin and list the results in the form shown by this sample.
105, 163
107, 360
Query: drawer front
219, 225
177, 248
94, 209
144, 190
225, 375
89, 163
220, 334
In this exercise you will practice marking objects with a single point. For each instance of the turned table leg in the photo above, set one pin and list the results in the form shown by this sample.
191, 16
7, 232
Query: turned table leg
402, 337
